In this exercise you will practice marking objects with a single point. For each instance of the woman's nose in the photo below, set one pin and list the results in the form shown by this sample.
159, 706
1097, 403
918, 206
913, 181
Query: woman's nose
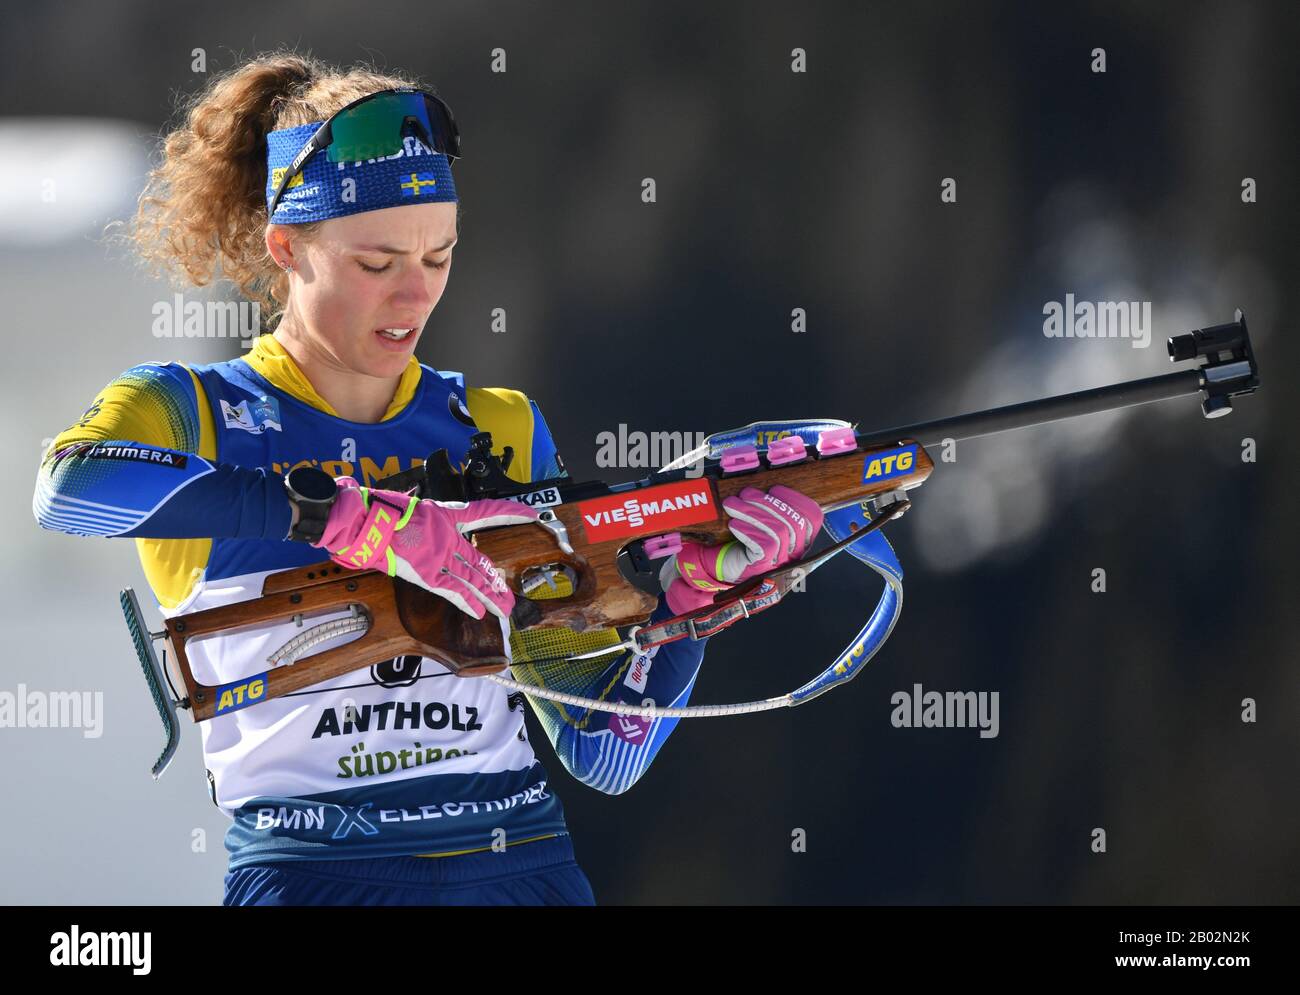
418, 287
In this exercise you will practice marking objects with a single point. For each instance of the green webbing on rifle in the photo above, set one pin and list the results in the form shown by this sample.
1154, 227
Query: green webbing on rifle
154, 677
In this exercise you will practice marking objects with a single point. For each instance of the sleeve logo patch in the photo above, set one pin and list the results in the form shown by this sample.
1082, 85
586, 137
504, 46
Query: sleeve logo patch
639, 672
139, 454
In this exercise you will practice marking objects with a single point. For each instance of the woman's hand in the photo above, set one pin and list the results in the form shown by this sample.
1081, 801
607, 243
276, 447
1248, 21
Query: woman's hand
771, 528
423, 542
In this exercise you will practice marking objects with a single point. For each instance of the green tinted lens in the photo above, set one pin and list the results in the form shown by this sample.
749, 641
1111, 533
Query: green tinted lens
375, 128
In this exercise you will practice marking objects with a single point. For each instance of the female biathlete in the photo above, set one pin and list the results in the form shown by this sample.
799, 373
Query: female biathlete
327, 196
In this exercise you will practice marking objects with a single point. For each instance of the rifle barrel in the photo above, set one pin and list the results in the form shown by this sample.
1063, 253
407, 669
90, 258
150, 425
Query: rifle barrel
1048, 409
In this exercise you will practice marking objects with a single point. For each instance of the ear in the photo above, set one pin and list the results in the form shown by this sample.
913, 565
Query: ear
279, 243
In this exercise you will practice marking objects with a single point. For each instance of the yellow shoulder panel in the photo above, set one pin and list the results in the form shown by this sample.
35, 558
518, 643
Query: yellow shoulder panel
509, 417
174, 566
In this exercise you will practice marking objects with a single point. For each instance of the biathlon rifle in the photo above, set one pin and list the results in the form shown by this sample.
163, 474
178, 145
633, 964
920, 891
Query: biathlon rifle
604, 538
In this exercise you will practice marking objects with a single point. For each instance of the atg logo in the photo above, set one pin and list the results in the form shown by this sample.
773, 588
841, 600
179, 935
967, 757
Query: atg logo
852, 658
240, 694
889, 464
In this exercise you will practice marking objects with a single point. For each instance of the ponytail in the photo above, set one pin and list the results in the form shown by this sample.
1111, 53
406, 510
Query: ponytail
202, 214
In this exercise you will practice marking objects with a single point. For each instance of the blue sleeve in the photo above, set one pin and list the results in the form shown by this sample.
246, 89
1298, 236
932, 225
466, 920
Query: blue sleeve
610, 752
546, 462
130, 468
606, 751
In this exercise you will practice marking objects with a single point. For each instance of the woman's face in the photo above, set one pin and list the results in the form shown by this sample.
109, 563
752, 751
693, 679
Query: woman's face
367, 272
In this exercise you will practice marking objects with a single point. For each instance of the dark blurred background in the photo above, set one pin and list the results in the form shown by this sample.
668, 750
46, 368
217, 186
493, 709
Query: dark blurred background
776, 190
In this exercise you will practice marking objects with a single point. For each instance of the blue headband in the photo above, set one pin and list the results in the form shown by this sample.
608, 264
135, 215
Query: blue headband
325, 189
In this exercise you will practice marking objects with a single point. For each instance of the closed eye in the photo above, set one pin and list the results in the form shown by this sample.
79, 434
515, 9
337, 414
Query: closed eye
381, 269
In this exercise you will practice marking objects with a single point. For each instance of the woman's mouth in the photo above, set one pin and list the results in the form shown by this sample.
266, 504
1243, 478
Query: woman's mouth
395, 338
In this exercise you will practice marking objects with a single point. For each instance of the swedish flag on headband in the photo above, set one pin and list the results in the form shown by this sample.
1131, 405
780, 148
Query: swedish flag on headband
419, 184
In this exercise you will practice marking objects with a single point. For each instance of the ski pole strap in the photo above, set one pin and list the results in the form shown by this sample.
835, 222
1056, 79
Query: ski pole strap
845, 526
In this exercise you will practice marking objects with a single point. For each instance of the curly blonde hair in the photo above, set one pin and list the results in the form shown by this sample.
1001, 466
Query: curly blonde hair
204, 205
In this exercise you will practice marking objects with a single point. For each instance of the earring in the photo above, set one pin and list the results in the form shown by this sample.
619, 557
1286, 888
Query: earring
288, 268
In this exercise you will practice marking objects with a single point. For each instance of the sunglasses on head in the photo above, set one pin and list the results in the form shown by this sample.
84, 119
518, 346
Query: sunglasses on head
375, 126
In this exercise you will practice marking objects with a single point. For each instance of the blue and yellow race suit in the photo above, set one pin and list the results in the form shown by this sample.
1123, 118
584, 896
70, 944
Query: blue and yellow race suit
402, 759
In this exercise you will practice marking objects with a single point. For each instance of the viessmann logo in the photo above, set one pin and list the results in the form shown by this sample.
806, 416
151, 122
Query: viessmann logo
667, 506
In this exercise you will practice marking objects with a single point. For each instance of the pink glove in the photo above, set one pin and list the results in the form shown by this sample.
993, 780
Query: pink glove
771, 528
423, 542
